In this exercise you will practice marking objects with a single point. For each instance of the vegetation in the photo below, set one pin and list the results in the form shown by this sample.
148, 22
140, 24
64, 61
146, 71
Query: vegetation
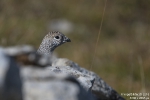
123, 51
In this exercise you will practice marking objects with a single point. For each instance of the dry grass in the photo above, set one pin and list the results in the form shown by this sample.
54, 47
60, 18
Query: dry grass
124, 36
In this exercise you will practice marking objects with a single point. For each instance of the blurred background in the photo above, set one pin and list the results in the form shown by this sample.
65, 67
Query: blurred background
123, 51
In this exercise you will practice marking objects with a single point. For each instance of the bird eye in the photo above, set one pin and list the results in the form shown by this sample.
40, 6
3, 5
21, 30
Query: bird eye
56, 37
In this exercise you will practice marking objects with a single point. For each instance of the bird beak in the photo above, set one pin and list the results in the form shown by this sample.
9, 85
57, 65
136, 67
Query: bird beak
67, 39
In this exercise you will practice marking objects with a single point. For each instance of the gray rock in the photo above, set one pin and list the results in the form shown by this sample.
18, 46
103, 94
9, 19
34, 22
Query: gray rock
100, 88
43, 84
19, 50
37, 83
35, 79
27, 55
4, 64
84, 79
10, 81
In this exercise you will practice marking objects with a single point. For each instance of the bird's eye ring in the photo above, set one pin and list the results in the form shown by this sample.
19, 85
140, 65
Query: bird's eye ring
56, 37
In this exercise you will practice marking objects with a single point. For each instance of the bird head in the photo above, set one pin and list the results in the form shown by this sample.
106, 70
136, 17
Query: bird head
59, 38
51, 41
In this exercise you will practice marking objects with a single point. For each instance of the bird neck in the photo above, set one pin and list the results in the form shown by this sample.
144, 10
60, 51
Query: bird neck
45, 49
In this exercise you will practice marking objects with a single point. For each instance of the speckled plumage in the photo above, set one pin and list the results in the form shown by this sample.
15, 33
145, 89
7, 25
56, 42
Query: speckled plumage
51, 41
